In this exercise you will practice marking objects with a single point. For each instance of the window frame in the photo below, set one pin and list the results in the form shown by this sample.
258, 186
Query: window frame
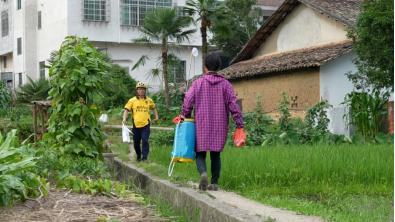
19, 46
5, 23
18, 4
20, 80
136, 10
4, 62
41, 68
39, 20
91, 7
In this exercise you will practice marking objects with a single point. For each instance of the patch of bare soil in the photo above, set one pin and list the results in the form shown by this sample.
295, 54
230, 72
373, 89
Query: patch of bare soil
61, 205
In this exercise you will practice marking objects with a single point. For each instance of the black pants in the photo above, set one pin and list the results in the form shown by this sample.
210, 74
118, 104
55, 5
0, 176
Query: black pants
215, 164
141, 134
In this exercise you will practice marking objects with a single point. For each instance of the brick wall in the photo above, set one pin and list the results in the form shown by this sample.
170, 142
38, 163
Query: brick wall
301, 86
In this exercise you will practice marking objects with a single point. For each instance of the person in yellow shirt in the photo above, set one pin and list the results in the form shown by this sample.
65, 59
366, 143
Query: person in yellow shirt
140, 107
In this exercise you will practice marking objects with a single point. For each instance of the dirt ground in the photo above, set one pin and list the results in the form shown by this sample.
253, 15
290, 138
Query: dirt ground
61, 205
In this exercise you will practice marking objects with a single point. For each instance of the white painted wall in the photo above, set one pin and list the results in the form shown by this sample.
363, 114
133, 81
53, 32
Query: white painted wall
29, 40
6, 42
64, 17
126, 55
334, 85
19, 32
302, 28
110, 31
9, 65
53, 29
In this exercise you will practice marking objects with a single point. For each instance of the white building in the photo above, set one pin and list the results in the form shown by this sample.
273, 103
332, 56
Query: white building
32, 29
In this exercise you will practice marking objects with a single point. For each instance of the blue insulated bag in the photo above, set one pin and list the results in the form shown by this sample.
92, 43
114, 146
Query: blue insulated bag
184, 144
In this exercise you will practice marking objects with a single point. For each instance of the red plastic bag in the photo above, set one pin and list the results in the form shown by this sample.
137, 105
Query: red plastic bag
239, 138
177, 120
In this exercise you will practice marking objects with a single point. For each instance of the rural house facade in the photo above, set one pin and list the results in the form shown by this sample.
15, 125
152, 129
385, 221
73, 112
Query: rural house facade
302, 50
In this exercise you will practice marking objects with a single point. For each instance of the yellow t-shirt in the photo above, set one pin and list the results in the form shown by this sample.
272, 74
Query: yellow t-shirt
140, 110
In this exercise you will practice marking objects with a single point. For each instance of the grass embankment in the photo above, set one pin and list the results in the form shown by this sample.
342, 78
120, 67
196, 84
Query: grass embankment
338, 183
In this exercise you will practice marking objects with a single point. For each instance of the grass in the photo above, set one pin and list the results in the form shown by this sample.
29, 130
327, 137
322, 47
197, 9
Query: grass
338, 183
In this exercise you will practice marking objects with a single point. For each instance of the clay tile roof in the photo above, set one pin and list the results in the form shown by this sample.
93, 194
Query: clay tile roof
345, 11
301, 58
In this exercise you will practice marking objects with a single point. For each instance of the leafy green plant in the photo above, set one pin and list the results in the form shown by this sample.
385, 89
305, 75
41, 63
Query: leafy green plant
17, 178
5, 98
33, 90
76, 73
366, 112
257, 124
316, 123
119, 87
373, 42
285, 115
163, 25
162, 137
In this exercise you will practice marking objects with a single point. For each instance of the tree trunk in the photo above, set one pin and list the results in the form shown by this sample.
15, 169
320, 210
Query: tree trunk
164, 71
203, 31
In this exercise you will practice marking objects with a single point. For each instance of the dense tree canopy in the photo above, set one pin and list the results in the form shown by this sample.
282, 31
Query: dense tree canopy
374, 45
235, 23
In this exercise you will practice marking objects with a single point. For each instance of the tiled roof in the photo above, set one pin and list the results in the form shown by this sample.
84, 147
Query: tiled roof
296, 59
345, 11
269, 2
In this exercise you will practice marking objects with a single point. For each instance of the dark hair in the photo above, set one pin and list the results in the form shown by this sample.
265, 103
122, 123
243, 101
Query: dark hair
216, 61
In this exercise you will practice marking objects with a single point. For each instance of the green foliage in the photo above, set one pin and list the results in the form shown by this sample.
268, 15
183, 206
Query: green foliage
162, 137
18, 117
119, 87
257, 124
5, 98
93, 187
234, 24
374, 45
285, 115
167, 114
33, 91
164, 25
77, 75
315, 127
335, 182
366, 112
17, 180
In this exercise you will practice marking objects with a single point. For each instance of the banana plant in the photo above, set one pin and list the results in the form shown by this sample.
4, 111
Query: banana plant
17, 178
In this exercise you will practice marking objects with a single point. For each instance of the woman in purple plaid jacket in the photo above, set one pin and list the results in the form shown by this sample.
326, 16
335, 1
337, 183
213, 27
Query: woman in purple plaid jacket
212, 98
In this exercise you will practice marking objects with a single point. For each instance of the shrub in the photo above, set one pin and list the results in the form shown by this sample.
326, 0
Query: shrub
119, 87
366, 112
76, 73
162, 137
316, 124
258, 125
5, 98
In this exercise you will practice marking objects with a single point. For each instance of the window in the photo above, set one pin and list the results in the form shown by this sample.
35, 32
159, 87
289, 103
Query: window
19, 46
4, 23
20, 79
39, 20
18, 4
178, 72
42, 69
134, 11
4, 61
95, 10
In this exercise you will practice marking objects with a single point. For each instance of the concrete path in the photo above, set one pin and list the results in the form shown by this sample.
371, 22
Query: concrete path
152, 127
205, 206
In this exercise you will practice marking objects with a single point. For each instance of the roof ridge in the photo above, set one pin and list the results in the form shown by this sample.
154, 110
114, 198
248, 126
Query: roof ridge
277, 54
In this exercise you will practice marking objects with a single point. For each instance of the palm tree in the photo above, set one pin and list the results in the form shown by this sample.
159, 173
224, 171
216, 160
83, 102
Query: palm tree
205, 11
33, 90
164, 25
